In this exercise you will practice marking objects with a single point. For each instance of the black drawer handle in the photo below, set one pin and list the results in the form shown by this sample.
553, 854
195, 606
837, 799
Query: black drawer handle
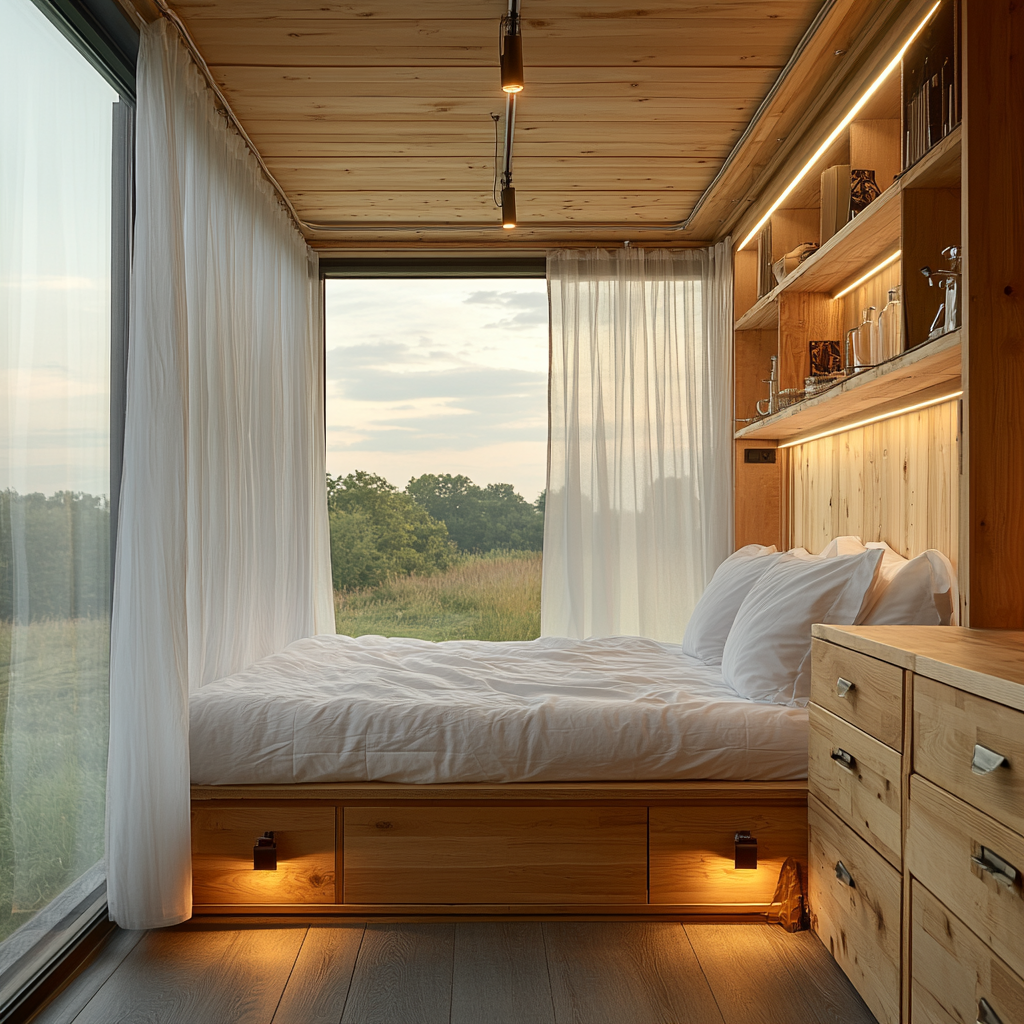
986, 760
986, 1015
1001, 870
840, 756
843, 687
844, 876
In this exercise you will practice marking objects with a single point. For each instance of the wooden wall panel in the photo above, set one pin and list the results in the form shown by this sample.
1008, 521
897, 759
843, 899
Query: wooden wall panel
896, 481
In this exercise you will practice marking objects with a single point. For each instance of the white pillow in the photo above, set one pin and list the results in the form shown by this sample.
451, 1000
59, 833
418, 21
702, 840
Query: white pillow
842, 546
919, 592
709, 625
768, 654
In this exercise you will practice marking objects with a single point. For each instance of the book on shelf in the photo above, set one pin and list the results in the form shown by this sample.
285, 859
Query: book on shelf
835, 200
765, 279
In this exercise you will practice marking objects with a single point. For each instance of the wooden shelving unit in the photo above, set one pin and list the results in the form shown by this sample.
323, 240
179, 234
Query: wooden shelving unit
931, 368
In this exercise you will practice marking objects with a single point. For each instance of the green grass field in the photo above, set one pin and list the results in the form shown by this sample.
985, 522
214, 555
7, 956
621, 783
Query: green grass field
484, 597
53, 742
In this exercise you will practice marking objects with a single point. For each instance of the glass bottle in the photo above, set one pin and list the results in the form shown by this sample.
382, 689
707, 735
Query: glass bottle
865, 344
890, 327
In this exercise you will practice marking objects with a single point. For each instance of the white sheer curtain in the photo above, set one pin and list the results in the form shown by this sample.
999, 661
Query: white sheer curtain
639, 501
223, 552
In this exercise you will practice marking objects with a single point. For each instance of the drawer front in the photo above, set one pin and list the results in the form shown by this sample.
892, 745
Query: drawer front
859, 779
944, 835
495, 855
222, 842
858, 922
948, 724
874, 699
952, 970
693, 852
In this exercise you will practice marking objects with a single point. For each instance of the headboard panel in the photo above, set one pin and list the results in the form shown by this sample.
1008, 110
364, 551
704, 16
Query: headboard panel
896, 481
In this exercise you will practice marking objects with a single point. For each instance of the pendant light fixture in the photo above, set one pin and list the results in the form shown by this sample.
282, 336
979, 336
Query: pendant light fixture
511, 50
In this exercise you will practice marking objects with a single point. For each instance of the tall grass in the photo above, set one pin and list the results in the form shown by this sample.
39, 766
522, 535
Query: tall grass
53, 753
483, 597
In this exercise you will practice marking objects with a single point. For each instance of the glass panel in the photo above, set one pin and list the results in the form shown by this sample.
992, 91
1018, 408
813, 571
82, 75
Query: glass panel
56, 116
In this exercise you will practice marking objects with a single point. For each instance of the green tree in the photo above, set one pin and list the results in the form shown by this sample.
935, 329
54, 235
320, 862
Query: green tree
378, 532
480, 518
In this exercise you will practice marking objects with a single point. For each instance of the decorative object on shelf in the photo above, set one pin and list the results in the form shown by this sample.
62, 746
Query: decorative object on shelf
931, 85
790, 396
948, 317
864, 190
826, 357
817, 383
851, 347
773, 391
835, 200
784, 267
890, 326
865, 345
764, 260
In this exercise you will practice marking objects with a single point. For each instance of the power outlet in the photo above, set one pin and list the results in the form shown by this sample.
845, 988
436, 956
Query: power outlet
759, 455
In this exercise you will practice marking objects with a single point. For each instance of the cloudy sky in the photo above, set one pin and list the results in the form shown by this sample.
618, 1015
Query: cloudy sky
438, 376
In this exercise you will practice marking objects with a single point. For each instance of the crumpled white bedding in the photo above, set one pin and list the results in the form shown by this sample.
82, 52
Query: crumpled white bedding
338, 709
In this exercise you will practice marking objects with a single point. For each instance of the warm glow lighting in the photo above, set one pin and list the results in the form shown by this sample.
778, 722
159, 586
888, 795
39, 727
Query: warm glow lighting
853, 112
874, 419
870, 274
508, 207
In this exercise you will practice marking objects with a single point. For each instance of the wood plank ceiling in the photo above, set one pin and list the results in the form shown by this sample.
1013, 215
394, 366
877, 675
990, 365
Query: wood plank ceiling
375, 115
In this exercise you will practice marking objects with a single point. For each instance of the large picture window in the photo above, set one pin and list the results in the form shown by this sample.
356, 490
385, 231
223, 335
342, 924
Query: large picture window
65, 133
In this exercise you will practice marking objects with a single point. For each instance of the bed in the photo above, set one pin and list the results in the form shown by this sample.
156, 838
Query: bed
611, 777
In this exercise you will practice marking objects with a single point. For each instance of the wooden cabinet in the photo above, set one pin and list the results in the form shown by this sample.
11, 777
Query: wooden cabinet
957, 905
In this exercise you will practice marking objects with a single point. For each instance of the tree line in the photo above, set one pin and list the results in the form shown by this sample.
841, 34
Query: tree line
378, 531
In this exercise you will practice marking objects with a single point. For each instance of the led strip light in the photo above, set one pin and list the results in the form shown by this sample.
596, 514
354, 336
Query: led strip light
854, 111
874, 419
870, 274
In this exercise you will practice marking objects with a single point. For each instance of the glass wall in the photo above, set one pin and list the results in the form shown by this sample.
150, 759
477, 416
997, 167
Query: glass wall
62, 148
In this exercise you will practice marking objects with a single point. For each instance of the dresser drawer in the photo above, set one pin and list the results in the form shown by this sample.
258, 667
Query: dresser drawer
953, 849
952, 729
858, 778
858, 918
222, 864
495, 855
952, 970
693, 851
864, 691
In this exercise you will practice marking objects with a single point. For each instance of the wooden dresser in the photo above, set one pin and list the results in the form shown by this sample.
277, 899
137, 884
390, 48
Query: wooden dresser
916, 818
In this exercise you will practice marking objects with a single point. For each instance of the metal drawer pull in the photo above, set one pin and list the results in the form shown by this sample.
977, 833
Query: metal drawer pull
844, 876
992, 864
844, 686
985, 760
986, 1015
840, 756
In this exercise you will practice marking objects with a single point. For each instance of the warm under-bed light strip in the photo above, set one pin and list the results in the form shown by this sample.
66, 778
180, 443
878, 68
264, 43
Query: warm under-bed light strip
853, 112
870, 274
874, 419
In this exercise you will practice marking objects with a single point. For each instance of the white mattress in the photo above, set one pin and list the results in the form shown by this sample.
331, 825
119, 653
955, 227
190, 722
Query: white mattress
338, 709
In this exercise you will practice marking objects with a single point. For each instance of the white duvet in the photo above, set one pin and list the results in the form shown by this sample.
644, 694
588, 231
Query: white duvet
338, 709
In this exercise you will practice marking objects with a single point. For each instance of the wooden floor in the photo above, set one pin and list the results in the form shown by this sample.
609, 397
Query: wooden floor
464, 973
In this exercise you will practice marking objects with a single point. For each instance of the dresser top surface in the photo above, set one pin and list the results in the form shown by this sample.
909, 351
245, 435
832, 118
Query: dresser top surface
979, 660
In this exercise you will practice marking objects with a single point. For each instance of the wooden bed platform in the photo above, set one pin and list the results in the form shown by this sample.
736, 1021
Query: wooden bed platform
481, 850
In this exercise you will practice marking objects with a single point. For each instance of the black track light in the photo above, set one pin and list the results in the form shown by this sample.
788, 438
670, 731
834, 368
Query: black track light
511, 52
508, 207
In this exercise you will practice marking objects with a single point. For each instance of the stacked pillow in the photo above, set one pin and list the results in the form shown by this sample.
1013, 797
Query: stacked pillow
755, 616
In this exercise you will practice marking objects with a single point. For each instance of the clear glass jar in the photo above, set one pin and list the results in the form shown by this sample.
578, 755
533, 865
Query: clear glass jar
865, 343
890, 326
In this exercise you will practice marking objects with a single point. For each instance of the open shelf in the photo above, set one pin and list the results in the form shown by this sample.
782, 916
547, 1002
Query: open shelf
866, 239
935, 364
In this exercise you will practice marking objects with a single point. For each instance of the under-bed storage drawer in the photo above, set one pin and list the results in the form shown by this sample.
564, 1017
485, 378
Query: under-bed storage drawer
693, 852
972, 747
952, 971
489, 855
222, 856
859, 778
864, 691
972, 863
855, 902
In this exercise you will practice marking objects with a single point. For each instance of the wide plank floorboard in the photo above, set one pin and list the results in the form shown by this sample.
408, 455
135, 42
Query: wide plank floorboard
748, 967
501, 974
67, 1005
318, 987
626, 973
195, 976
403, 975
